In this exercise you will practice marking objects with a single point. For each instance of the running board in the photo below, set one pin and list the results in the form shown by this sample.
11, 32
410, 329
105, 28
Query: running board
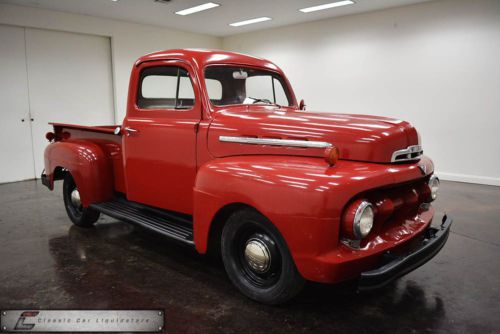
170, 224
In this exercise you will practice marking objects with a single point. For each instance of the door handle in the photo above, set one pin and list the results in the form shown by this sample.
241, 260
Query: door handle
130, 131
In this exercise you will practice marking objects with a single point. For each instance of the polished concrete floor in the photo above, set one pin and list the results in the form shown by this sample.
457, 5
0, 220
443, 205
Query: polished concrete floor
45, 262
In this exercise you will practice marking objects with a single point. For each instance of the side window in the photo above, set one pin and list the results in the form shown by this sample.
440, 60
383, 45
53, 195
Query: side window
165, 87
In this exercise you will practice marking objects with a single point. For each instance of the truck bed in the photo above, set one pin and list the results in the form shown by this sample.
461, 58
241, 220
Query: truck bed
97, 128
102, 135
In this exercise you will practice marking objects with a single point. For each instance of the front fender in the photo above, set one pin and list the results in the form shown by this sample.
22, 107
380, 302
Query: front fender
302, 196
278, 188
89, 165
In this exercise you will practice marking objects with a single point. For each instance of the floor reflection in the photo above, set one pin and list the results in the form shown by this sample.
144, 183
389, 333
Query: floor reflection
115, 265
46, 263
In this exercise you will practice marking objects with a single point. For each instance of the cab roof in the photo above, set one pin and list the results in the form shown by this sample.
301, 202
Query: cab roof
202, 57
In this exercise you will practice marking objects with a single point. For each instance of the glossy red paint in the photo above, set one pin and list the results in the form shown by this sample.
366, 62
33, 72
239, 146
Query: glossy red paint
305, 198
95, 151
160, 158
358, 137
88, 164
176, 161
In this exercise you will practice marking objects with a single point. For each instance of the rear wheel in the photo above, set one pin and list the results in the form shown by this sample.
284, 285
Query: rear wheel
80, 216
257, 259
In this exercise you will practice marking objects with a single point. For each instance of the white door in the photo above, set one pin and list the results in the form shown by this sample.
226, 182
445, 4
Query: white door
16, 153
70, 81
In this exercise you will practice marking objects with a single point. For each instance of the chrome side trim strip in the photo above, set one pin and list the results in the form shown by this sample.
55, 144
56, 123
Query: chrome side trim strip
275, 142
411, 153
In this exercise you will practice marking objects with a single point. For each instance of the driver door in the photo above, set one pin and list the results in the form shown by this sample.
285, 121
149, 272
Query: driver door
159, 139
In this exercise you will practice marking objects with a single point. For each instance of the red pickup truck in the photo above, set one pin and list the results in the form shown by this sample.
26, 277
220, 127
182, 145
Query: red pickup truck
216, 152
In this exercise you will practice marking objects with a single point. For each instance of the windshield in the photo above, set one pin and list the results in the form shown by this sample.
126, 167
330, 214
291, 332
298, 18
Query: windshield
244, 85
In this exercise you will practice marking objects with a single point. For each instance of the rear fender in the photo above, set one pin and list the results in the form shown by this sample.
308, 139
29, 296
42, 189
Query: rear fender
89, 165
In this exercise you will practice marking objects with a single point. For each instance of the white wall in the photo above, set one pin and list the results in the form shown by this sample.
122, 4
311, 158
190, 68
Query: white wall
435, 64
129, 41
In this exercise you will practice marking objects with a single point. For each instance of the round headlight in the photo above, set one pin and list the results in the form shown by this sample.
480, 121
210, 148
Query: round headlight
434, 186
363, 220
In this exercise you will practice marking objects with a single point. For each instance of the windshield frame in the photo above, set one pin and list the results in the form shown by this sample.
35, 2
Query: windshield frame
284, 82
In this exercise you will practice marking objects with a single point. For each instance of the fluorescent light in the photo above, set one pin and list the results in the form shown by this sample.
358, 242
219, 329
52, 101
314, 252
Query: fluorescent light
197, 9
251, 21
326, 6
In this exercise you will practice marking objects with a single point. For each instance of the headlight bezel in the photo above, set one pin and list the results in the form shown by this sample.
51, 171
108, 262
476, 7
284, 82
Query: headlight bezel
365, 211
433, 183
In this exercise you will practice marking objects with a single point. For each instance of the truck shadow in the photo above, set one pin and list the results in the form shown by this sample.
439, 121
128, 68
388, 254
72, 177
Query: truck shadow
115, 265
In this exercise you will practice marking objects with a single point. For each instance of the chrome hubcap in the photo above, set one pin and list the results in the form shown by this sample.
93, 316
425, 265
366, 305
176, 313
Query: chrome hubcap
257, 256
75, 198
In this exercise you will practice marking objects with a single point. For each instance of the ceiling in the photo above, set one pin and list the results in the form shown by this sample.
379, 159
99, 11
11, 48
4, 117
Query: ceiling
214, 21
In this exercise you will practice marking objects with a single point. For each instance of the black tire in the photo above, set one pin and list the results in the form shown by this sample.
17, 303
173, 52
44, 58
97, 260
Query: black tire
80, 216
274, 283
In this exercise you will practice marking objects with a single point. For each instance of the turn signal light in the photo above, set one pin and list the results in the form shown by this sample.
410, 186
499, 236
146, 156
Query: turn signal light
65, 135
50, 136
332, 155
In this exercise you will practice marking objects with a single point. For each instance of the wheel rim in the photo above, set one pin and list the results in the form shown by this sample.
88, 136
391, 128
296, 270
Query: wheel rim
75, 198
259, 260
257, 255
74, 202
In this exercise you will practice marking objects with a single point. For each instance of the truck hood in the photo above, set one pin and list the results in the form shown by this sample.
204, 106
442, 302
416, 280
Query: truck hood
358, 137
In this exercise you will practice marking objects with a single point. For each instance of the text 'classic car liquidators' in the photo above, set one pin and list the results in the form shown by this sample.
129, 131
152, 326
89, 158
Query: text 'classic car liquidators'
216, 152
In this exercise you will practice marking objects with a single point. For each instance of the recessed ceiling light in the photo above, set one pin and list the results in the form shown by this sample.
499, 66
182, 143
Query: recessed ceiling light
197, 9
251, 21
326, 6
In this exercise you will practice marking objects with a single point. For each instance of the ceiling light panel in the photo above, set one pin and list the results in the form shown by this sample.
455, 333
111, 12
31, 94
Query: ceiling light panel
251, 21
196, 9
326, 6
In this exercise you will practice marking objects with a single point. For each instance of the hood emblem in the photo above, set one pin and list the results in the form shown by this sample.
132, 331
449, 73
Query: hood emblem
410, 153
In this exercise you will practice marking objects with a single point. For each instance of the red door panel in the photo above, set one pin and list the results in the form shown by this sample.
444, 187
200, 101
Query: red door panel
160, 151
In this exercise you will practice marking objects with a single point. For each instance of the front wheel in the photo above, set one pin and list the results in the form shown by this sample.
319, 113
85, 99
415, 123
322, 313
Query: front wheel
257, 259
80, 216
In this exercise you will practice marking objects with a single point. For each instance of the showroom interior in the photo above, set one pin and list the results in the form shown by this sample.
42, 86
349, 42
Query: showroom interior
432, 63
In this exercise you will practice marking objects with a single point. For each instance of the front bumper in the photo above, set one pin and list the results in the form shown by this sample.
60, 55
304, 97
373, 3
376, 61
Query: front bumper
434, 240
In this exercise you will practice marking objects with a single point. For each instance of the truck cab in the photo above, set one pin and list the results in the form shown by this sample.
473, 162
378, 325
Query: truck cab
215, 152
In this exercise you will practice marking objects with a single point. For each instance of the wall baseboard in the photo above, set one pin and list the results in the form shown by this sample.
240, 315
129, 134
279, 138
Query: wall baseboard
491, 181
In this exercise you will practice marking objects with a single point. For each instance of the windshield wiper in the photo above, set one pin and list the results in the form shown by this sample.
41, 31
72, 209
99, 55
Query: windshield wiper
256, 100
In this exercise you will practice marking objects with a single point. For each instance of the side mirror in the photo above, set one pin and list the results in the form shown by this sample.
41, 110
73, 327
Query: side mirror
302, 105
